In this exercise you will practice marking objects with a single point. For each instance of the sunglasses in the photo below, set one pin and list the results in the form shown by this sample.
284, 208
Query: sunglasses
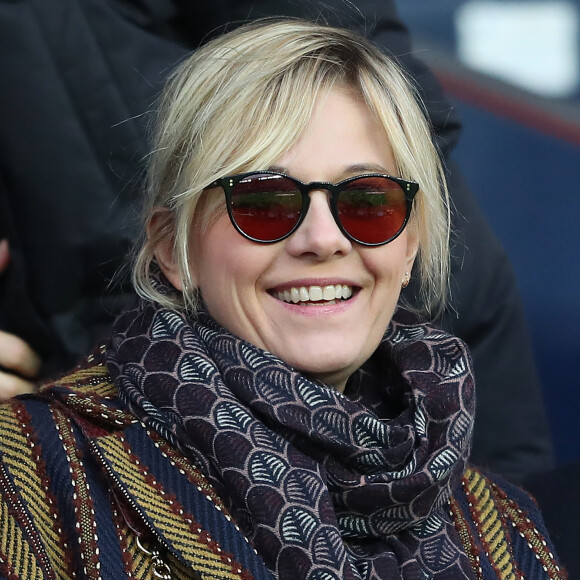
267, 207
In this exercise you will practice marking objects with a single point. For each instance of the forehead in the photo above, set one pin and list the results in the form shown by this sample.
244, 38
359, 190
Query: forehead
342, 138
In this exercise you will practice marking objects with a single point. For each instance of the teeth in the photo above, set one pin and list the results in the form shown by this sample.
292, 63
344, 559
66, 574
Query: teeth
328, 293
315, 293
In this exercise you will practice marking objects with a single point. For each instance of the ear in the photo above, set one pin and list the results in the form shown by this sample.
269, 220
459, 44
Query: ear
161, 234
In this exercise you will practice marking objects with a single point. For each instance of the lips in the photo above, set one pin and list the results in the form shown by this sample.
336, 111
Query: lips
314, 294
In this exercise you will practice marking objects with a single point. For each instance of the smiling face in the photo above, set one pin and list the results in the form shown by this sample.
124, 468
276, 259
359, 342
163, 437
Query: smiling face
346, 292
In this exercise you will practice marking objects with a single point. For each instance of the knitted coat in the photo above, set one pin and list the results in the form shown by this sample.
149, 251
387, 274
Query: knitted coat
87, 491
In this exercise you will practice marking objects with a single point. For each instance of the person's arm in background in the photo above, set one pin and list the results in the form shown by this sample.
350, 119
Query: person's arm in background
19, 364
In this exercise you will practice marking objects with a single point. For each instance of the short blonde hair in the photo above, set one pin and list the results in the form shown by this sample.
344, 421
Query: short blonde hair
245, 98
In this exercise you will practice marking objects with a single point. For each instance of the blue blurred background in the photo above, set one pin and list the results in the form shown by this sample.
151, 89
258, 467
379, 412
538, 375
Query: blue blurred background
512, 70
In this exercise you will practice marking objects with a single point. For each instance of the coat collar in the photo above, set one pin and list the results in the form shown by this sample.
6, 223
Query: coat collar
161, 495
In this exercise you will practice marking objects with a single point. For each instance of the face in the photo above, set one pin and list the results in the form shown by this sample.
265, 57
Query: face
249, 287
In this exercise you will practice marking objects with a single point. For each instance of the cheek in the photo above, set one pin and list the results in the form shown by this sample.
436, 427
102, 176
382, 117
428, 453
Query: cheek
213, 258
387, 263
217, 276
225, 263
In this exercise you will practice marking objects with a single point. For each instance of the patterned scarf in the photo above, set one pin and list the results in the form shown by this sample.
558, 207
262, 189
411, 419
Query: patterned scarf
325, 485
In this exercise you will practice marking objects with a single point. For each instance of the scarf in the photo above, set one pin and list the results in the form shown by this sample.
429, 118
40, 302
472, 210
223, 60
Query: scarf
324, 485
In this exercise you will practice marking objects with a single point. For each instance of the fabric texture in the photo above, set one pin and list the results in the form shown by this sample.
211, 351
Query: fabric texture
323, 485
84, 484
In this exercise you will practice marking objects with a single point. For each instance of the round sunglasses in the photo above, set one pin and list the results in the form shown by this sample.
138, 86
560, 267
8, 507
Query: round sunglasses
267, 207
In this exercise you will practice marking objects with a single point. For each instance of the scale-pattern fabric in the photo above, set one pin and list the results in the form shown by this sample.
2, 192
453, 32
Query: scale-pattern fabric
322, 486
59, 518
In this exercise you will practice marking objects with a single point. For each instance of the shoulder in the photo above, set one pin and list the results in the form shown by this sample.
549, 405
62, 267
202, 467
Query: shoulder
79, 474
44, 469
48, 429
90, 377
86, 398
88, 388
51, 428
502, 529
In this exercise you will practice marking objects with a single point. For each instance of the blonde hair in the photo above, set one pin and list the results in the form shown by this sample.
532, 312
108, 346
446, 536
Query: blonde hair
245, 98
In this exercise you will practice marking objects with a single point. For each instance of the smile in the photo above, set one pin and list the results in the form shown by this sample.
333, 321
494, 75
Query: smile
314, 294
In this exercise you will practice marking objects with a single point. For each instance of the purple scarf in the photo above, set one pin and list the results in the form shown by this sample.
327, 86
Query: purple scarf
324, 485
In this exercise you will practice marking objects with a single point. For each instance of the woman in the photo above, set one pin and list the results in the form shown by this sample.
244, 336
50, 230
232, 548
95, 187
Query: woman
268, 411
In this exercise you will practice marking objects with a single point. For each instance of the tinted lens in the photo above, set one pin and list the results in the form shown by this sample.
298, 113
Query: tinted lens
372, 209
266, 207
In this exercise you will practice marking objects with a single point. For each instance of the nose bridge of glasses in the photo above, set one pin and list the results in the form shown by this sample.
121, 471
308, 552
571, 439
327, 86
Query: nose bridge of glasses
313, 209
325, 187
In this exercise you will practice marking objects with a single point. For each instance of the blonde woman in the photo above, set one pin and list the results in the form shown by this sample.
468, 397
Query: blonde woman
272, 408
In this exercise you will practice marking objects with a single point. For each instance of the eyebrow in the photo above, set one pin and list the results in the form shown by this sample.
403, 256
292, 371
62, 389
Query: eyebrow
366, 168
355, 169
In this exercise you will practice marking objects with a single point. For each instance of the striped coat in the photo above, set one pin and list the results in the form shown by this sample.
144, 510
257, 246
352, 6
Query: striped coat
87, 491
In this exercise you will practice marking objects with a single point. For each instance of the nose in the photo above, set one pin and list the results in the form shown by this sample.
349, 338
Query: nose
318, 235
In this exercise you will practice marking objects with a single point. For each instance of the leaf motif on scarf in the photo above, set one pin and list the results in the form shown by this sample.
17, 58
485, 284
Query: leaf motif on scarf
327, 546
420, 421
459, 369
370, 461
460, 429
301, 486
442, 463
225, 348
266, 468
166, 324
332, 423
231, 416
158, 421
297, 525
153, 412
264, 438
193, 368
135, 373
392, 519
265, 504
436, 335
274, 386
406, 334
409, 468
206, 333
362, 566
323, 575
369, 431
438, 553
253, 359
428, 527
449, 360
353, 526
314, 395
295, 415
189, 340
164, 431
